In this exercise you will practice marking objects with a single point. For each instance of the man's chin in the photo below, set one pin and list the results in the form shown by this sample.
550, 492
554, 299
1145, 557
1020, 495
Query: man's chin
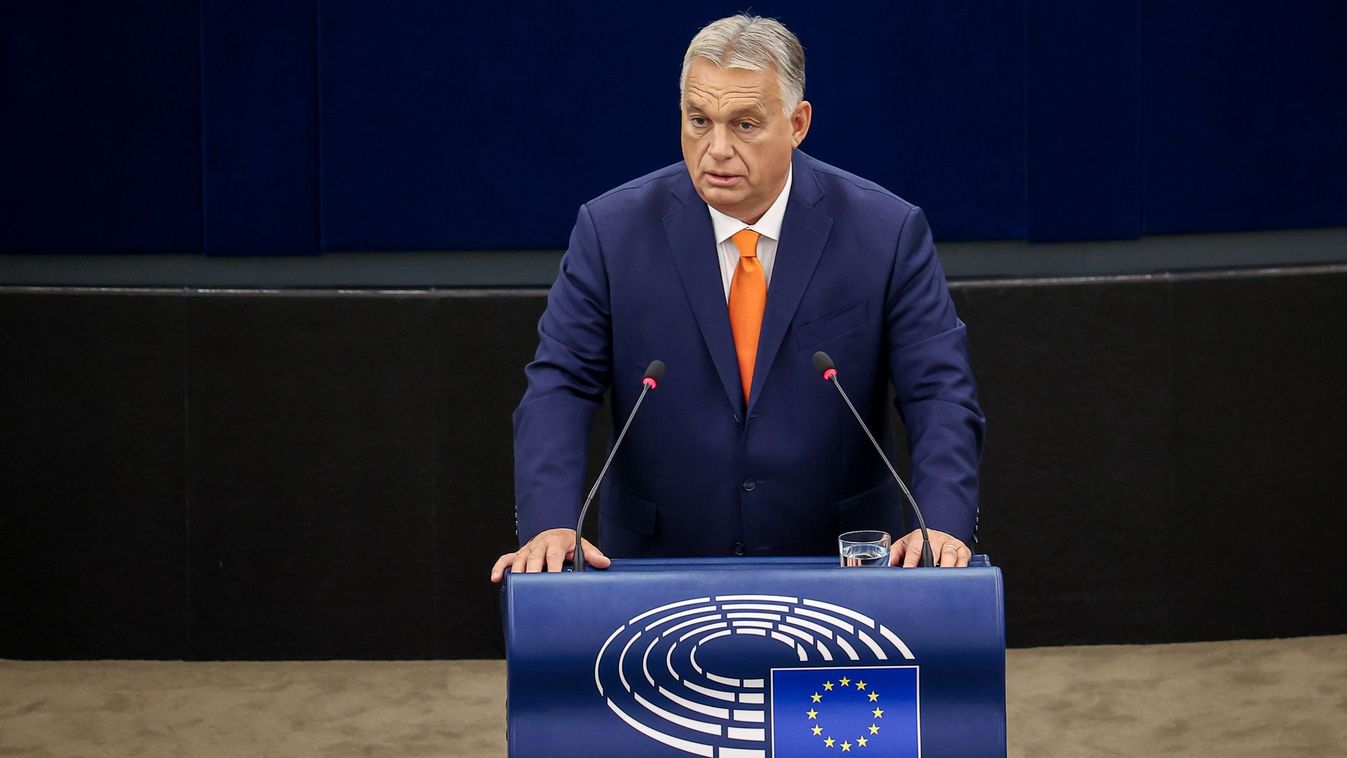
723, 199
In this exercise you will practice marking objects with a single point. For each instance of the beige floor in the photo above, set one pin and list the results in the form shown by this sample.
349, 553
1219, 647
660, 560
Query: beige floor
1254, 698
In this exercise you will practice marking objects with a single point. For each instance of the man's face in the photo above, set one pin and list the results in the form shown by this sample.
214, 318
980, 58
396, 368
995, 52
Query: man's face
737, 139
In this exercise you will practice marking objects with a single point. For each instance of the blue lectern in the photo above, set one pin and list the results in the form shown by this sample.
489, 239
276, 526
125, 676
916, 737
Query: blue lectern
749, 658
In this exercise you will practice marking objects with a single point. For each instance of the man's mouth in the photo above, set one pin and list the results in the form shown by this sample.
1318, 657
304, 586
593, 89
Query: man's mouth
721, 180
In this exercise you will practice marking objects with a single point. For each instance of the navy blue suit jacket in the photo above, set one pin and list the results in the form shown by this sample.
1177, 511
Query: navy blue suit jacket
701, 473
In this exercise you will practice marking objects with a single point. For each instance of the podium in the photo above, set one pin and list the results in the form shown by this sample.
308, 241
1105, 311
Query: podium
756, 657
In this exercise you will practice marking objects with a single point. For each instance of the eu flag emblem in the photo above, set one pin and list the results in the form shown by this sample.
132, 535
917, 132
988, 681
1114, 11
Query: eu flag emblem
867, 710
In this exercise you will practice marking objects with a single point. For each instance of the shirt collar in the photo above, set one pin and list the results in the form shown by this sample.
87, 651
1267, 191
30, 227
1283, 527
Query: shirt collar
768, 226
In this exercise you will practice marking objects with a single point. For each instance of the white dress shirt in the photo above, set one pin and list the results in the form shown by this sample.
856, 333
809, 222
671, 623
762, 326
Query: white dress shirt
769, 226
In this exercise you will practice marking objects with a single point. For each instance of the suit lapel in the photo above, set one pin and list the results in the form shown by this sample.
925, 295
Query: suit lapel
804, 233
693, 244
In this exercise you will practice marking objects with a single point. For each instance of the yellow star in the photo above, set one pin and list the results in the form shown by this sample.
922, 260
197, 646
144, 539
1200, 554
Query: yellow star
828, 686
829, 742
816, 697
860, 685
879, 713
874, 729
845, 681
817, 730
863, 741
846, 747
874, 696
813, 714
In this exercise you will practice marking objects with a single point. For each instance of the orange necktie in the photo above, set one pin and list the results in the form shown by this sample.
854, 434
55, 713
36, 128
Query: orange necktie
748, 299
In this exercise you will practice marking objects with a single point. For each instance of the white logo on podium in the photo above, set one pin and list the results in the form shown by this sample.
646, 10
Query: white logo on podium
648, 673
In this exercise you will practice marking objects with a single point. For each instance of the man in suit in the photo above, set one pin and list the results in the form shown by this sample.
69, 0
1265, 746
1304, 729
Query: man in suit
734, 267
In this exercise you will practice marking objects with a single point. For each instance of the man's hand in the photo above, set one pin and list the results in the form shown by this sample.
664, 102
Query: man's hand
948, 550
547, 551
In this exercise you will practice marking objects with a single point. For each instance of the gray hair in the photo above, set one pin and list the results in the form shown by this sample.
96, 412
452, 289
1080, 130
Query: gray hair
753, 43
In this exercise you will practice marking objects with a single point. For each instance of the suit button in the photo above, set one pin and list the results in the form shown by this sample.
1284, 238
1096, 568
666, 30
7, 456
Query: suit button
738, 548
750, 484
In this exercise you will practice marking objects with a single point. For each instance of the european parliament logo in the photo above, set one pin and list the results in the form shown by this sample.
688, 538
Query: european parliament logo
751, 676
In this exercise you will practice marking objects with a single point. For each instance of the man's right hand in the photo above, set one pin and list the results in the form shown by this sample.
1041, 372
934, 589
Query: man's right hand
547, 551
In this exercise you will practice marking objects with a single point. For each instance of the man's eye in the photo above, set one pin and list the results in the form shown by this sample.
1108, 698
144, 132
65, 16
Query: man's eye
698, 121
745, 126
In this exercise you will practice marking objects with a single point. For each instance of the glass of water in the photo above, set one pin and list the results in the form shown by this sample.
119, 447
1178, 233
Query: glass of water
867, 547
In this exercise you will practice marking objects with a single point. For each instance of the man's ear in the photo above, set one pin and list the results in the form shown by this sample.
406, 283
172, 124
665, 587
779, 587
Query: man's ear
799, 121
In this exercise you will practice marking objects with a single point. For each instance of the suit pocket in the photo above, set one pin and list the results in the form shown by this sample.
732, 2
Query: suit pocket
631, 511
811, 334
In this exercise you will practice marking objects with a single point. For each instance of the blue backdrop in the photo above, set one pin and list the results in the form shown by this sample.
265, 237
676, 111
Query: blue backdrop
254, 127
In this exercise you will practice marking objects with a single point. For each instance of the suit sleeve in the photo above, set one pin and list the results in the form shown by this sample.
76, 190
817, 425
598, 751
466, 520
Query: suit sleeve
932, 376
566, 382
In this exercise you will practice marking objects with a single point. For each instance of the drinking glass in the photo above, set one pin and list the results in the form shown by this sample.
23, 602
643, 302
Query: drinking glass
866, 547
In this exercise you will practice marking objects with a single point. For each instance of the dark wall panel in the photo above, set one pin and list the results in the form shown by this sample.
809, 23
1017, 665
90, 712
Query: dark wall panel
325, 474
1245, 107
492, 338
488, 338
1074, 380
259, 127
1084, 122
476, 126
927, 99
92, 474
480, 127
256, 128
312, 428
1261, 464
102, 127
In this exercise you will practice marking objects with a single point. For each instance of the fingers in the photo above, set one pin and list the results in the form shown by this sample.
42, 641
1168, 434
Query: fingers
946, 549
949, 555
912, 553
537, 556
594, 557
906, 552
556, 555
546, 552
498, 570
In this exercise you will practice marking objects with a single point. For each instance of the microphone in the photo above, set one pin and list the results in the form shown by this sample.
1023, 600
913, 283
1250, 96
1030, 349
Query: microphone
654, 374
823, 364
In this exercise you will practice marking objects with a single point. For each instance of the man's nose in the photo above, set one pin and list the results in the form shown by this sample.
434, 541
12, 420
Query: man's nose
721, 148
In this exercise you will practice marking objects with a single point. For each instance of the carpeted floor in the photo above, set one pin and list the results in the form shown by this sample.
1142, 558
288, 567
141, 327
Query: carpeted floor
1247, 698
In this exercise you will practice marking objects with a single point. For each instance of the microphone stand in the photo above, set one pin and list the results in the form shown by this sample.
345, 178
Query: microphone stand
821, 359
652, 376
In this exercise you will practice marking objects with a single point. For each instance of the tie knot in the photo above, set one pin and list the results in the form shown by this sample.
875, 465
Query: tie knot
747, 242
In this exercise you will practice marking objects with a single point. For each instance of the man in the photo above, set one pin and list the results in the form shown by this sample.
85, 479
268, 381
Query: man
733, 268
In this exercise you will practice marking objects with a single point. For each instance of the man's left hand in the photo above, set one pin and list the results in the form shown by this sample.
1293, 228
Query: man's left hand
948, 550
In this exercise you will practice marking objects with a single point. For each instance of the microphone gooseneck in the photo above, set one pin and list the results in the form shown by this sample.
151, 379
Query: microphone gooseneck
654, 374
823, 364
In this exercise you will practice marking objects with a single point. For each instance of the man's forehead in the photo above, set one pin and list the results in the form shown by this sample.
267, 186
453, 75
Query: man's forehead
728, 98
704, 92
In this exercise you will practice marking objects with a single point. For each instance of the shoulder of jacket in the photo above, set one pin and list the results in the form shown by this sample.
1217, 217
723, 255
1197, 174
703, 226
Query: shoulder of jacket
660, 181
834, 180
